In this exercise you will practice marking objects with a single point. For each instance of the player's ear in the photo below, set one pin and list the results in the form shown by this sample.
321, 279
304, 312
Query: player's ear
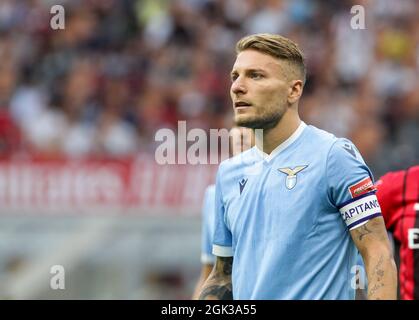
295, 91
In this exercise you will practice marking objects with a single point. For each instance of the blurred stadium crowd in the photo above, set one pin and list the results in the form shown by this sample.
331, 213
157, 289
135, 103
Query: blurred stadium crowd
122, 69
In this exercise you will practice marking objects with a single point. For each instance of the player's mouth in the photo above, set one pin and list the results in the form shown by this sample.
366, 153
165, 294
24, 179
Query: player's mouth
242, 104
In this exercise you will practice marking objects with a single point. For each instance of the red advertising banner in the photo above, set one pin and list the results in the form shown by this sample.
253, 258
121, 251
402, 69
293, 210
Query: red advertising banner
65, 185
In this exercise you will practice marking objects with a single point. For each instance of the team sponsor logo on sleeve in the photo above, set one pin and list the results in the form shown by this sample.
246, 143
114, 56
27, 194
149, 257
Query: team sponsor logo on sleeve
360, 210
361, 187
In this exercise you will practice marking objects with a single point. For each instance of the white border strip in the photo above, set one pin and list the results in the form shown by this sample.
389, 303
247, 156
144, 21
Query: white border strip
297, 133
221, 251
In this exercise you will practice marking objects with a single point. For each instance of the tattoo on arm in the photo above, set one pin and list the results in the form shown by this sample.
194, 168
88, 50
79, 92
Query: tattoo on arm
378, 269
219, 285
216, 292
374, 289
372, 241
227, 266
362, 232
378, 275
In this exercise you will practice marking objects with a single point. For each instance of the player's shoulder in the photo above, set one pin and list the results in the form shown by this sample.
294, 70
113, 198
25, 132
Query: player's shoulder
320, 137
392, 177
331, 141
338, 149
414, 171
323, 140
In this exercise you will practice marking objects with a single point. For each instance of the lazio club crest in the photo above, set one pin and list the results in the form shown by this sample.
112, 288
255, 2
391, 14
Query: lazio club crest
291, 179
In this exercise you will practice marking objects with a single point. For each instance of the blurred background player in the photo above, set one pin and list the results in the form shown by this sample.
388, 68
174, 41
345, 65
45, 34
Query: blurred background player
398, 195
241, 139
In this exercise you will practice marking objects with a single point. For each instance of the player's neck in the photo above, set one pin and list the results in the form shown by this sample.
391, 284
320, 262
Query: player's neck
272, 138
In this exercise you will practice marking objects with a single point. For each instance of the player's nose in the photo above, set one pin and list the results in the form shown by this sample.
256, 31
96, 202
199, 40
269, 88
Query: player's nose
238, 87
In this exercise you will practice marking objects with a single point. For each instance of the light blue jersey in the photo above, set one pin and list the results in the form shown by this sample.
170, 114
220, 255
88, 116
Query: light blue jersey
207, 228
285, 218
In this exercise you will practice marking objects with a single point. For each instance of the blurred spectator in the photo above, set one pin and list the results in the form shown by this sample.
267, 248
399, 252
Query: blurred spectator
123, 69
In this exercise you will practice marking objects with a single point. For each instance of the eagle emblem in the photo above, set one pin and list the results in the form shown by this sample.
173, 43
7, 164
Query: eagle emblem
291, 179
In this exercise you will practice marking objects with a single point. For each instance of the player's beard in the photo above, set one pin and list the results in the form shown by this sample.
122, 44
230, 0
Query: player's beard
267, 120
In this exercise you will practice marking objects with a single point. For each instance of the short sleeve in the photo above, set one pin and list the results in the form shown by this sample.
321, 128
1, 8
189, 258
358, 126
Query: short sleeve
350, 184
222, 245
207, 226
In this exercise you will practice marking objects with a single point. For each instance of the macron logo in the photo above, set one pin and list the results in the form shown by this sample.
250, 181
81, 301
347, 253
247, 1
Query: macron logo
242, 184
349, 148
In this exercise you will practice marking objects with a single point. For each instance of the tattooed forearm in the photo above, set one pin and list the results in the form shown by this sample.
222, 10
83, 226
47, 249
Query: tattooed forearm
378, 275
362, 232
227, 265
378, 269
217, 292
372, 241
381, 278
218, 285
374, 290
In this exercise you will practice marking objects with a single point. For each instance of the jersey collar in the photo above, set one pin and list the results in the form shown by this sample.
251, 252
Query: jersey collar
283, 145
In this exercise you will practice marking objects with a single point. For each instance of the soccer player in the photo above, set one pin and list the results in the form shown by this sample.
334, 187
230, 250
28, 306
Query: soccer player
241, 139
292, 211
398, 195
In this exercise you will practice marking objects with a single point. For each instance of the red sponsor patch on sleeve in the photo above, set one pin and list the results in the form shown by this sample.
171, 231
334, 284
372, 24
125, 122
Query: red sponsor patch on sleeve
361, 187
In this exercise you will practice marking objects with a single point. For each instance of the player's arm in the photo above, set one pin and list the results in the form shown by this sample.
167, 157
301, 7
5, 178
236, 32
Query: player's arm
205, 272
352, 190
207, 258
372, 242
218, 285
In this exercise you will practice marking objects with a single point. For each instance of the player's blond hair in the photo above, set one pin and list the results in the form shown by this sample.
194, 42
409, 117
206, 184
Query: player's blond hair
276, 46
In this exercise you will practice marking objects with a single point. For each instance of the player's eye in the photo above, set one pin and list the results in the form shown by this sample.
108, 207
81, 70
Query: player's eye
234, 76
256, 75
